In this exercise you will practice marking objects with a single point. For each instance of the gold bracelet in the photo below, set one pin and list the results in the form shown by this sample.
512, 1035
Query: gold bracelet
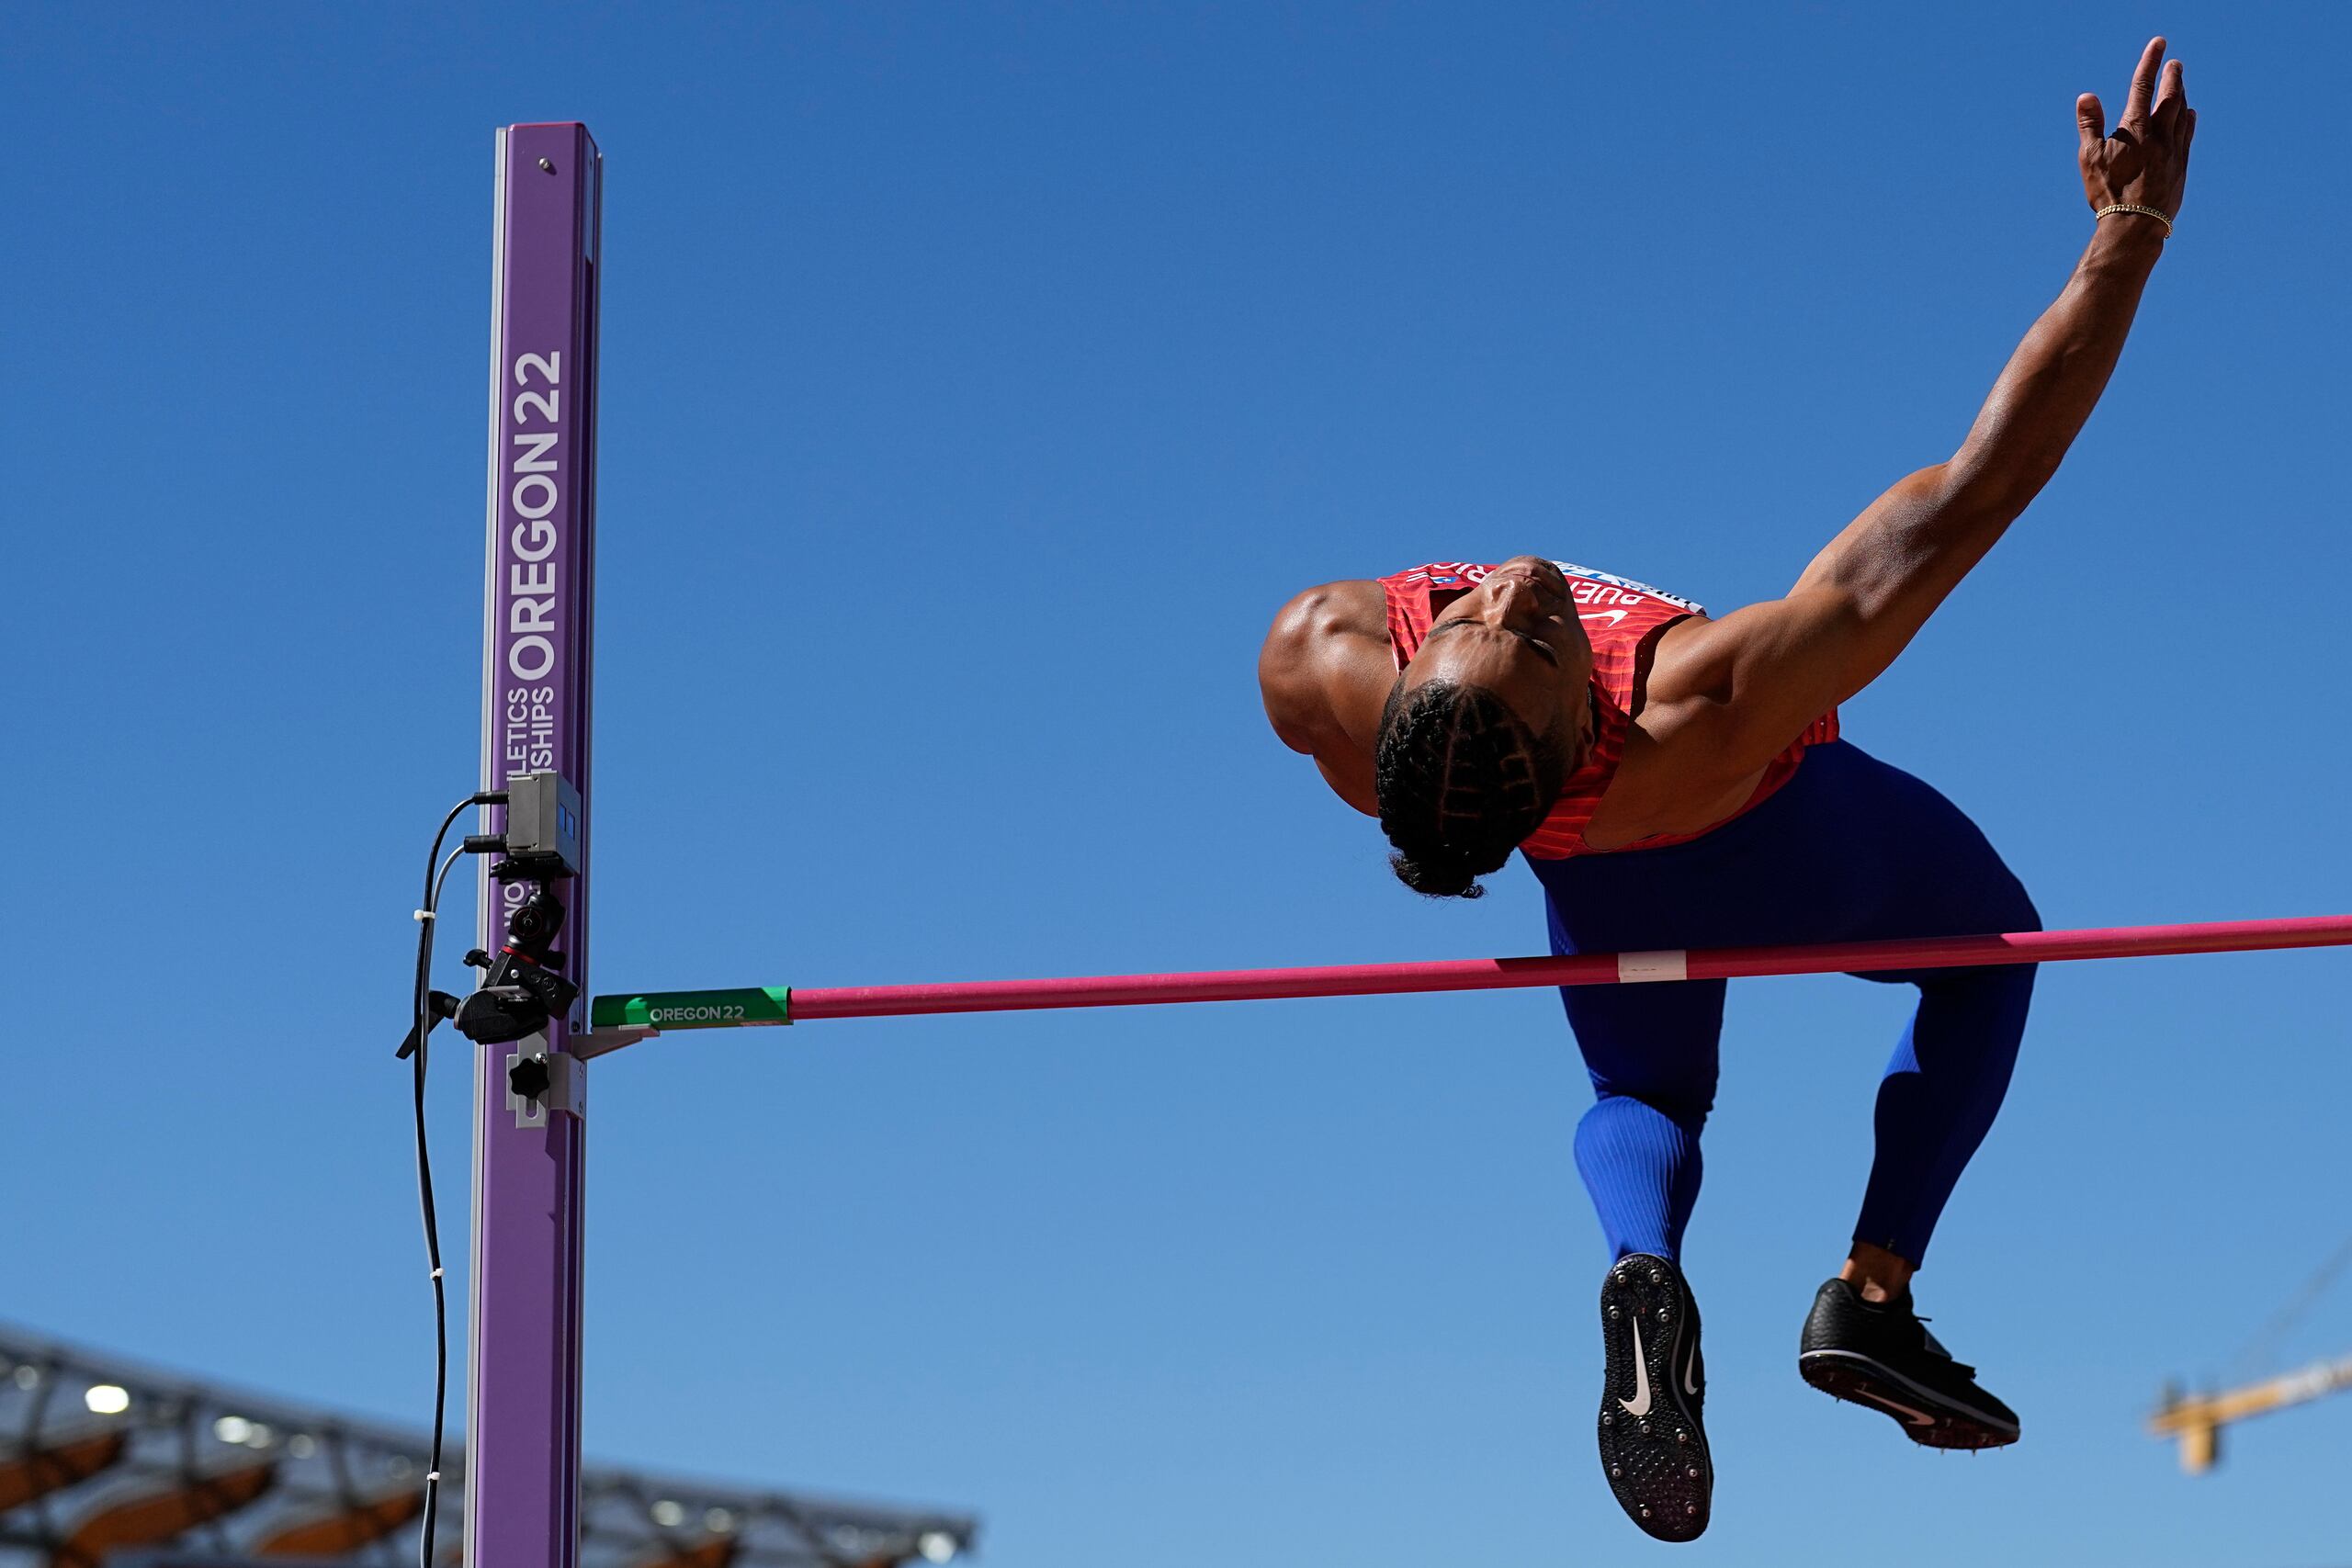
2144, 211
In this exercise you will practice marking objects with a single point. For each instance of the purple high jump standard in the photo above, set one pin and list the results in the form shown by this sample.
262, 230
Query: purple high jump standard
523, 1369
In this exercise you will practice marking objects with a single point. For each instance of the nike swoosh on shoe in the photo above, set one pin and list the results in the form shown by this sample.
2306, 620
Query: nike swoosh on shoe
1640, 1404
1878, 1369
1917, 1418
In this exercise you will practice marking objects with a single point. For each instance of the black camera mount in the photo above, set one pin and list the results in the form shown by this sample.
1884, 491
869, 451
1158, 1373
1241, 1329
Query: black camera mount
524, 987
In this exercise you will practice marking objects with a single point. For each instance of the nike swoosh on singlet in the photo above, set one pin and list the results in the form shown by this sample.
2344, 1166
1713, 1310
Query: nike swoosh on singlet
1612, 617
1640, 1404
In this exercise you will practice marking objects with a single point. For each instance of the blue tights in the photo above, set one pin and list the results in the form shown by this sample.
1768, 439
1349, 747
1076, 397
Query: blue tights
1849, 849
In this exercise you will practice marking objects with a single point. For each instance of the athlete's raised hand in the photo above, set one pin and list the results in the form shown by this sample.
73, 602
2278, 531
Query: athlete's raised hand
2145, 162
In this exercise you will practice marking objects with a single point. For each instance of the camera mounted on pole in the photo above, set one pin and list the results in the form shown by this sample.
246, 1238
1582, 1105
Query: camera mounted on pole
523, 986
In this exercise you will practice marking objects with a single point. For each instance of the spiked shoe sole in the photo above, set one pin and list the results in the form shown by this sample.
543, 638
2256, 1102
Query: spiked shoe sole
1652, 1447
1926, 1417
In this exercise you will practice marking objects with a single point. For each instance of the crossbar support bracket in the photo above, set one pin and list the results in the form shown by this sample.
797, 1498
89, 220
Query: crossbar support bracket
594, 1043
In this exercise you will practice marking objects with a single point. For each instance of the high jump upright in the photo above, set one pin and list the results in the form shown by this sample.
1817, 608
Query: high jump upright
523, 1359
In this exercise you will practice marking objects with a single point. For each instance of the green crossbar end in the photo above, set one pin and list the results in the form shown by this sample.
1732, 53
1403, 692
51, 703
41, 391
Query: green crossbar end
694, 1009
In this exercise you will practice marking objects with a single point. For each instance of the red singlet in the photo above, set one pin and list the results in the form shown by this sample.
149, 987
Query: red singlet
1623, 619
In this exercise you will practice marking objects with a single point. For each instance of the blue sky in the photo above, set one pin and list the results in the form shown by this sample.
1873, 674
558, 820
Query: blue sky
978, 379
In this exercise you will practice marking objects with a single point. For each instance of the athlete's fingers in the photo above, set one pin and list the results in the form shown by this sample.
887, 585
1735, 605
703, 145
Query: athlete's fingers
2090, 119
2171, 99
2143, 83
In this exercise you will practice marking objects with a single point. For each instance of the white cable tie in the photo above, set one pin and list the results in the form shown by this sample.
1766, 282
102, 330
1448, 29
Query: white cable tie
1634, 968
422, 915
432, 1475
436, 1274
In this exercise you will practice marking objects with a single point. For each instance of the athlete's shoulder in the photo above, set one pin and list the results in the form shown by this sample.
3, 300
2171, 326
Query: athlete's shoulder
1325, 658
1353, 607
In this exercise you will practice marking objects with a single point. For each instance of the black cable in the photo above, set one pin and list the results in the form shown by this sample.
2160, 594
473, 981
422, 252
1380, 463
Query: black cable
436, 873
2260, 1352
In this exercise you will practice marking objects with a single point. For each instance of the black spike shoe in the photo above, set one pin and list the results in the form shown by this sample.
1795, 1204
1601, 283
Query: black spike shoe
1883, 1356
1653, 1447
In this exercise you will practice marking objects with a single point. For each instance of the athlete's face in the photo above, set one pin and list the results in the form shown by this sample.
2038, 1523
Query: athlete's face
1517, 634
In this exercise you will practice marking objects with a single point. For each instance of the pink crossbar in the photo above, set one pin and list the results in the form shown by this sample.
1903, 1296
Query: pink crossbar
1591, 969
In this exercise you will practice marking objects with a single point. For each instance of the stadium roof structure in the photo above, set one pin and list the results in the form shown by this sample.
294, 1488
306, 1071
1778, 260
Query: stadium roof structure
105, 1464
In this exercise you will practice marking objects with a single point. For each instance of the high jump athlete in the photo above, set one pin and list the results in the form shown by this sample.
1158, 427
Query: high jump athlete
1679, 781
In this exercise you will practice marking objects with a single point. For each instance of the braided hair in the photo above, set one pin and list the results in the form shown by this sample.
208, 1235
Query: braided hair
1462, 780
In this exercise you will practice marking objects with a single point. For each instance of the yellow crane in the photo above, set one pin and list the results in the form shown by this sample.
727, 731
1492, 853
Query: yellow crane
2196, 1420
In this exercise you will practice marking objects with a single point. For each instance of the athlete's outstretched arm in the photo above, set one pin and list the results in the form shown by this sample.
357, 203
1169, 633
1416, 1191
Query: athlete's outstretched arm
1746, 686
